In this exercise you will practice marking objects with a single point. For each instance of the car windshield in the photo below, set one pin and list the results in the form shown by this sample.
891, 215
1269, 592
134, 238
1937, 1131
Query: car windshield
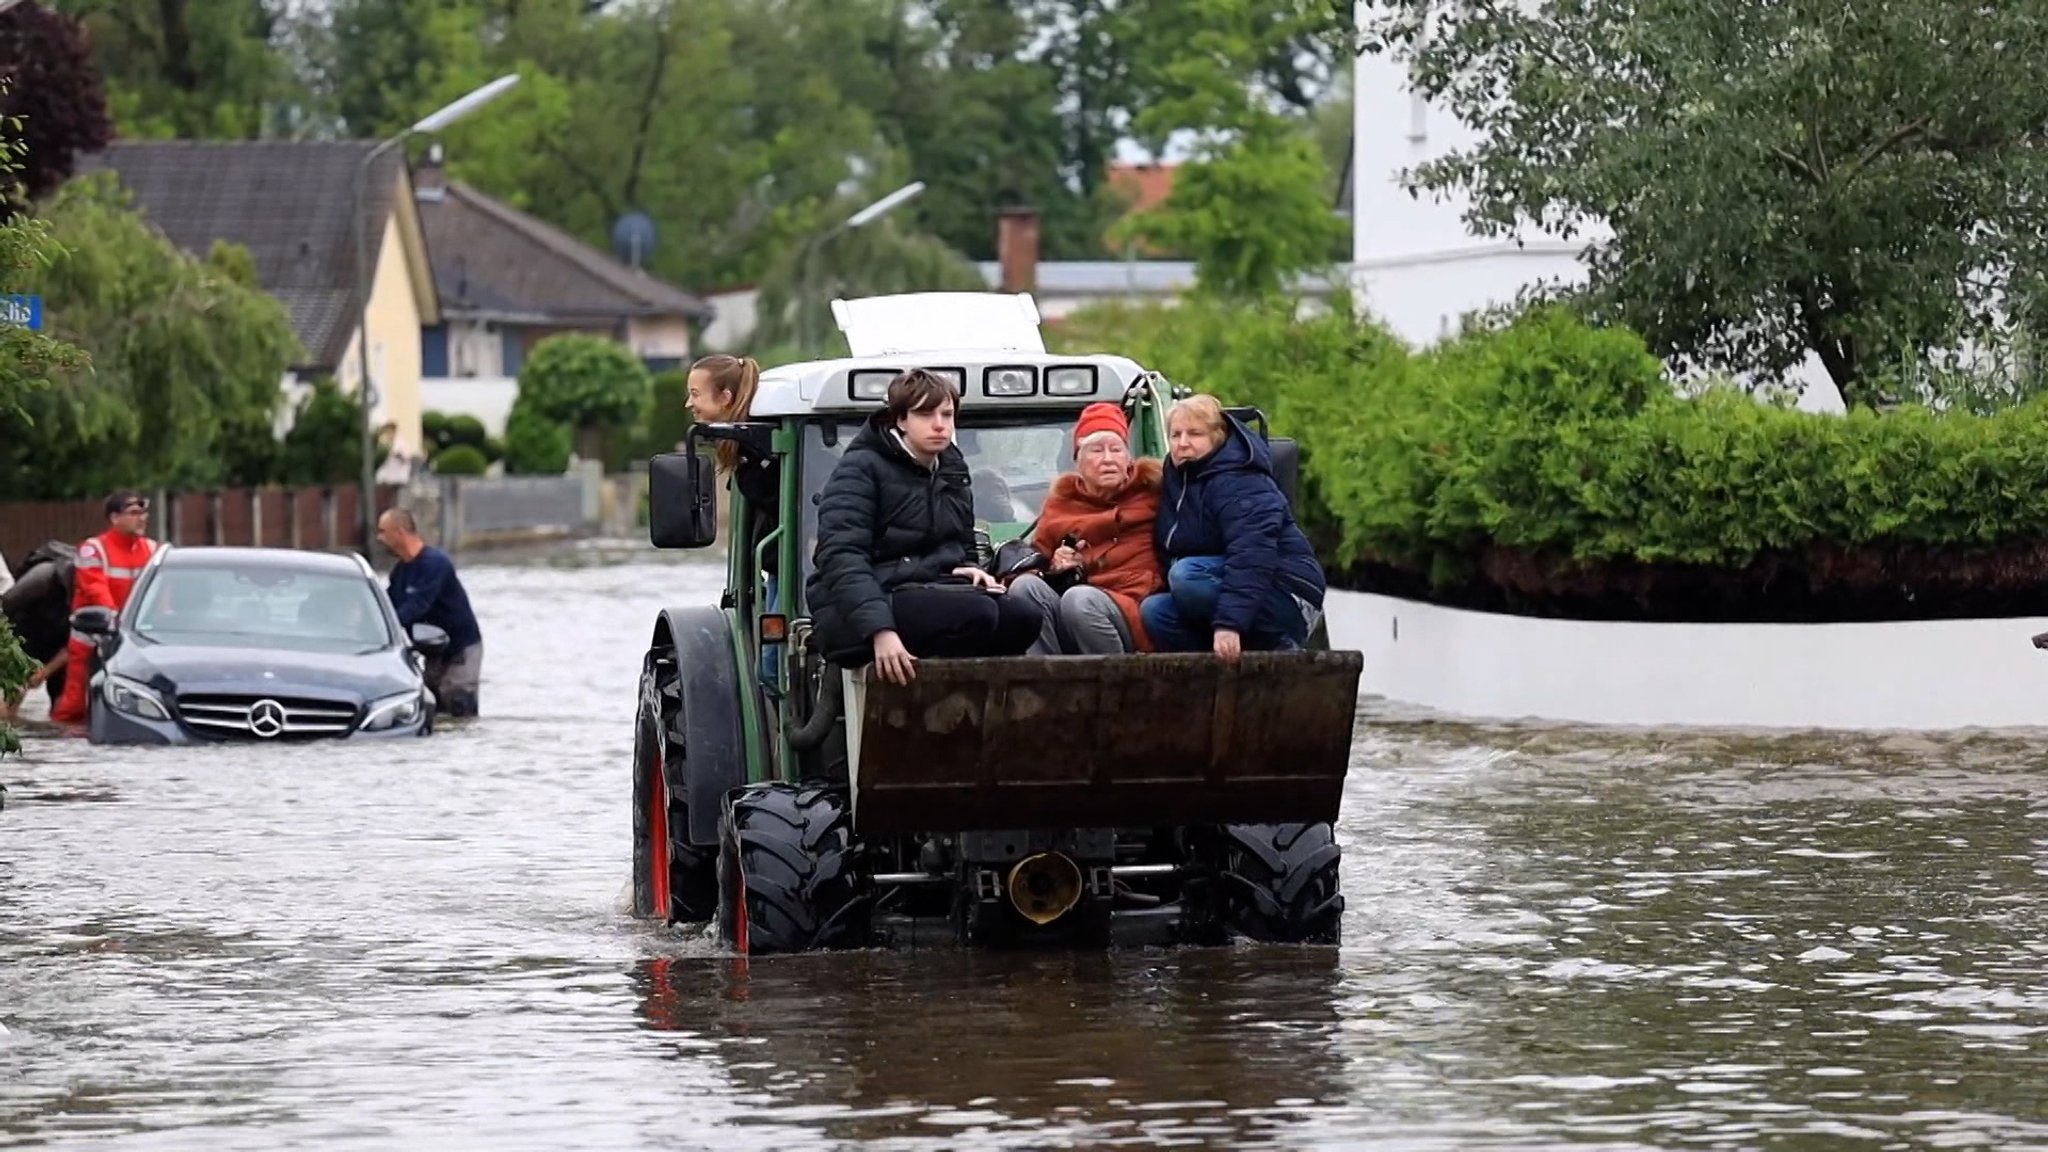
262, 607
1012, 465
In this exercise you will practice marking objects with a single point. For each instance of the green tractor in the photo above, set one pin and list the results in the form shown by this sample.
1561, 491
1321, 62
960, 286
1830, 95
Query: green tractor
1076, 801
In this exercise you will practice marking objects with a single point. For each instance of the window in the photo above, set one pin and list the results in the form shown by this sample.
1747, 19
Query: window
434, 350
262, 608
1011, 464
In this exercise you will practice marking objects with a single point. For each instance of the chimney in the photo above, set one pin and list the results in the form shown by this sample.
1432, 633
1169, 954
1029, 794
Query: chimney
1017, 248
428, 181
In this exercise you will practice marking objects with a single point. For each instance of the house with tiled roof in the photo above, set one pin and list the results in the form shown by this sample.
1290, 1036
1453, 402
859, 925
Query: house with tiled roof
507, 280
296, 206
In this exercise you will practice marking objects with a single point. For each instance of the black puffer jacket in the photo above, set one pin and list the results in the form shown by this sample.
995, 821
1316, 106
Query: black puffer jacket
885, 521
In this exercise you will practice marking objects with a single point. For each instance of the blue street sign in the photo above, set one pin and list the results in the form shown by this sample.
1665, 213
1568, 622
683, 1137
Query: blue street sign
22, 312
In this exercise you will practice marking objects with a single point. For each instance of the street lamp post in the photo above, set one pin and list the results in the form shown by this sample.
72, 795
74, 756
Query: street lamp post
366, 393
860, 219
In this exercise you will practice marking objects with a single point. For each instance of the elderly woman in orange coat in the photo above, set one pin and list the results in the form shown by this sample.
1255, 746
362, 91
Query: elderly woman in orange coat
1095, 536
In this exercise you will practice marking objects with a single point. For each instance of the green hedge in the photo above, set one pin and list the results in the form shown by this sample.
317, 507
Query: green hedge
1549, 467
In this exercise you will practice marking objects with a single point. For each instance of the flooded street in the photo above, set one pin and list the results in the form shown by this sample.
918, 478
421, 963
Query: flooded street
1555, 937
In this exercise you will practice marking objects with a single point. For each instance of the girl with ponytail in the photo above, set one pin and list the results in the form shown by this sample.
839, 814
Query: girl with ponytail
721, 391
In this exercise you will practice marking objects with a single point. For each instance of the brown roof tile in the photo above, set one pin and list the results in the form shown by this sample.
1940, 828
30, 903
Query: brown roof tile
288, 202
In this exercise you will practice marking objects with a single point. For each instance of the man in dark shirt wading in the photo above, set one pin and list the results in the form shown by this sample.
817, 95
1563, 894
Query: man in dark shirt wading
425, 590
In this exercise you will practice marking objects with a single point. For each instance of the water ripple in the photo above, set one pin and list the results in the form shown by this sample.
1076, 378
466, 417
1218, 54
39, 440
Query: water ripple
1555, 936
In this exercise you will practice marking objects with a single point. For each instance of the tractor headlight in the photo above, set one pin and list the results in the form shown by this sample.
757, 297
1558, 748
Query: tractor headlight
1073, 380
1009, 382
869, 385
395, 711
134, 698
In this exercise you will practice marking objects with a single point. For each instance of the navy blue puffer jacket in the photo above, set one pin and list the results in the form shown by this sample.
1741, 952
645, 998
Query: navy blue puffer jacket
1228, 504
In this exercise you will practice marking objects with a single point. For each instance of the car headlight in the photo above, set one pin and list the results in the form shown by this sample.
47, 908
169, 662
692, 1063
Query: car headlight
134, 698
394, 711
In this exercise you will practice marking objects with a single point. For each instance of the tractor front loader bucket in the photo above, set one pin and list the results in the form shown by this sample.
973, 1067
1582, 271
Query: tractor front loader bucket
1102, 742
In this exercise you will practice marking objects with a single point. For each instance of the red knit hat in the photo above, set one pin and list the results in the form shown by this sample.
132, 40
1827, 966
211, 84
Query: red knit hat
1101, 418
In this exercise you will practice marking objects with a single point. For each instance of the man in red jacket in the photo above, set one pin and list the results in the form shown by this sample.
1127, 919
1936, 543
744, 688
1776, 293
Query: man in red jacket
103, 575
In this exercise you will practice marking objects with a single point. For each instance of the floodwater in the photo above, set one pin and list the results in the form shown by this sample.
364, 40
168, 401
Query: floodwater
1555, 936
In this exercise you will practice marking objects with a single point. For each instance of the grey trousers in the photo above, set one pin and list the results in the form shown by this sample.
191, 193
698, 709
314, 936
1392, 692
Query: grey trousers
1083, 621
454, 678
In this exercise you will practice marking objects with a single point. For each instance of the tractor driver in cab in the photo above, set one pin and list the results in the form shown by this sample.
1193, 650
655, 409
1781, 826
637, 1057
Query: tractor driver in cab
895, 579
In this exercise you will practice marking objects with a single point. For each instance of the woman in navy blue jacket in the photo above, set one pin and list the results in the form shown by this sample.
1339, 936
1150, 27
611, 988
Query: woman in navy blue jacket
1239, 571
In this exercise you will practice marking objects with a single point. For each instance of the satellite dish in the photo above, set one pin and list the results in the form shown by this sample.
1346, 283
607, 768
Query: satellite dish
633, 238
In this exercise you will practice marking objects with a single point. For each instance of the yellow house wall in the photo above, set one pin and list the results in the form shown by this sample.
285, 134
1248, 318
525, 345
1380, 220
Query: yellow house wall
394, 342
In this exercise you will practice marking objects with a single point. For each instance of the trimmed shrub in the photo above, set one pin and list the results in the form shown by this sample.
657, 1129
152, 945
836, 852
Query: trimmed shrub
460, 460
1550, 468
583, 382
535, 445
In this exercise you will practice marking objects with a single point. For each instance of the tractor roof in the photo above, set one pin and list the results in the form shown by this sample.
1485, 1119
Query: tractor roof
987, 343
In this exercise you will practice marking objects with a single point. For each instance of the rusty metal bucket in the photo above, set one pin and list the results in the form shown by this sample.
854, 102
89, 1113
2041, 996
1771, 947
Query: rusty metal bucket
1102, 741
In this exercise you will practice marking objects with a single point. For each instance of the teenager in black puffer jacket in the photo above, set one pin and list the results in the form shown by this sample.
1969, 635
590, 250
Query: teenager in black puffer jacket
895, 578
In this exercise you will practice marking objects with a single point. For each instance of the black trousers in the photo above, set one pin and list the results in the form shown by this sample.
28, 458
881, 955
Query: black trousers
964, 621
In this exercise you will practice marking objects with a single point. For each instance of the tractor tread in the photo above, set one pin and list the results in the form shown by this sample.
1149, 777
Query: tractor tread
815, 897
1280, 882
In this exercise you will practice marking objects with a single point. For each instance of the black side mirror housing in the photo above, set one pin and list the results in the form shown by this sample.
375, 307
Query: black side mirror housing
429, 640
682, 508
1286, 468
94, 620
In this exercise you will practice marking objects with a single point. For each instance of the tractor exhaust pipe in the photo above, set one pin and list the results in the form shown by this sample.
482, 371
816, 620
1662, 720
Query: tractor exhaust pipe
1044, 887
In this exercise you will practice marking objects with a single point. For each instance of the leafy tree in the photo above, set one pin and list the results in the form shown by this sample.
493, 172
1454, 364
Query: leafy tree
1253, 208
186, 360
27, 362
197, 69
1857, 181
15, 669
872, 261
50, 89
28, 359
1251, 212
325, 443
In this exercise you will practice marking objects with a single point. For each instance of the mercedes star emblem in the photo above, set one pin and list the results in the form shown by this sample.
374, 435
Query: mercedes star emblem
266, 718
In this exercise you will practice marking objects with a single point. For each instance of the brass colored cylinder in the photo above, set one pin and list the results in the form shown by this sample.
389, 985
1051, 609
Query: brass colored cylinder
1045, 886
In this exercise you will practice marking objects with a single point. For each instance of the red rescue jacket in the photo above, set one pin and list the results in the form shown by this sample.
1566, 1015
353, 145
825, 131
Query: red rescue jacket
105, 571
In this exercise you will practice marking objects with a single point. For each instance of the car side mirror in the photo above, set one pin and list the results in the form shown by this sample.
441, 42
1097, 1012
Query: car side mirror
94, 620
429, 640
682, 510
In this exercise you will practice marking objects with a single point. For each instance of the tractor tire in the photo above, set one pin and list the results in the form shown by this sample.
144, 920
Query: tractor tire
789, 874
673, 879
1278, 882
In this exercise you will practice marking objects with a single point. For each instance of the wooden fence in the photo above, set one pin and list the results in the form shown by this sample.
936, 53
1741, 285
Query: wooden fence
317, 519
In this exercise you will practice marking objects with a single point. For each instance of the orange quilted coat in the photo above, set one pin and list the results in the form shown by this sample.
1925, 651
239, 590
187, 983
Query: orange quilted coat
1121, 558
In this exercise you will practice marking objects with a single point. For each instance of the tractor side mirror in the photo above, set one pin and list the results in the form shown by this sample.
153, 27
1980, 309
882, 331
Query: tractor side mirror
1286, 468
682, 509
